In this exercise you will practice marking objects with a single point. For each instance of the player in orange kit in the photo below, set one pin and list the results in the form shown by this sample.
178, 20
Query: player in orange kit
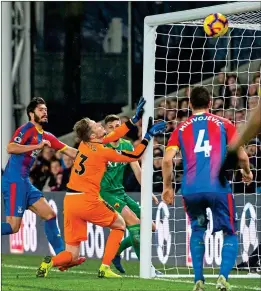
83, 203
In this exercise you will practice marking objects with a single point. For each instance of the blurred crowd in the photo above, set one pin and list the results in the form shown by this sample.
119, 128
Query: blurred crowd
234, 101
51, 171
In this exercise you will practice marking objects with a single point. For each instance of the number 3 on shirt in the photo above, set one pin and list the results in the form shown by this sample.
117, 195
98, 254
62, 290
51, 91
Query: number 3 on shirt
206, 148
81, 165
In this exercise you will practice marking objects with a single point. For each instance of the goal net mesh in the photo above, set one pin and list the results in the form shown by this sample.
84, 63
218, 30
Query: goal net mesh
229, 67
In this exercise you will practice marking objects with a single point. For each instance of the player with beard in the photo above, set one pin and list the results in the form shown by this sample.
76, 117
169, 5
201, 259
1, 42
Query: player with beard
19, 194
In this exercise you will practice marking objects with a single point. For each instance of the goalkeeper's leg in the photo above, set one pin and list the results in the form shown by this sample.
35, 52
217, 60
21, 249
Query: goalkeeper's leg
130, 211
75, 263
111, 248
75, 231
64, 258
133, 225
131, 214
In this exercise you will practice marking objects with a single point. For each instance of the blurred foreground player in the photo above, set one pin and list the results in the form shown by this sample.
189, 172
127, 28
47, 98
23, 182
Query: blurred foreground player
83, 203
203, 140
252, 128
19, 194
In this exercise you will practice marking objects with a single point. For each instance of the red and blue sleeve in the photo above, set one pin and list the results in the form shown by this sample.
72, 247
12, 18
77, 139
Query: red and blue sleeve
22, 134
55, 143
173, 142
231, 131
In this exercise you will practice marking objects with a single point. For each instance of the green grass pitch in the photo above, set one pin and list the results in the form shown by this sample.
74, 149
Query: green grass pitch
18, 274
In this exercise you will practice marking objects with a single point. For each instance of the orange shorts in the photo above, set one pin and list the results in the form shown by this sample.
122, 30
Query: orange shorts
78, 210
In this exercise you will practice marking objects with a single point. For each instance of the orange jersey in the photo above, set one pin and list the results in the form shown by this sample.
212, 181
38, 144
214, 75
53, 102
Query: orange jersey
90, 165
118, 132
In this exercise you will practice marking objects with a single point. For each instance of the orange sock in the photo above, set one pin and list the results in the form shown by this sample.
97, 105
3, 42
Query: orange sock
112, 245
72, 264
63, 258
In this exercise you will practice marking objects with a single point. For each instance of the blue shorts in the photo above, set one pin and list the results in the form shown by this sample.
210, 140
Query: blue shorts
18, 196
223, 211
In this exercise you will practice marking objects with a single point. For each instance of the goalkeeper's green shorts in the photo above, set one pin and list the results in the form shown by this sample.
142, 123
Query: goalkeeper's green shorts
120, 200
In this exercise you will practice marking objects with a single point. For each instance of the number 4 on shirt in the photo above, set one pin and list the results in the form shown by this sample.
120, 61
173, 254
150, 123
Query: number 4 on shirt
202, 145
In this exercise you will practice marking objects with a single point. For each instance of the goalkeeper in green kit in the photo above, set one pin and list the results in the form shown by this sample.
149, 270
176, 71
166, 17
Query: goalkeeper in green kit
112, 191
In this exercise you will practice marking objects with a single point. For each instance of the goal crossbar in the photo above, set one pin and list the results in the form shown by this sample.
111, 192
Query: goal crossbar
194, 14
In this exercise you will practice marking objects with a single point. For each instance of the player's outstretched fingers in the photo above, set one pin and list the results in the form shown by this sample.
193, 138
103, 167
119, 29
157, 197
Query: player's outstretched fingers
139, 110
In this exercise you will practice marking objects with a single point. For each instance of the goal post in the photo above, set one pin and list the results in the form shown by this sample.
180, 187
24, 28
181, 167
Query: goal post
239, 16
147, 164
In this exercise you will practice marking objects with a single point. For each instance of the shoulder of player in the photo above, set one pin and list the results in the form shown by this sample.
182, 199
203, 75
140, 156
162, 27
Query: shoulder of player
93, 148
222, 119
23, 132
25, 127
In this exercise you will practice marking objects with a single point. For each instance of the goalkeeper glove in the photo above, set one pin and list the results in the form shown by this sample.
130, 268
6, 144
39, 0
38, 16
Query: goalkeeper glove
139, 110
154, 129
230, 162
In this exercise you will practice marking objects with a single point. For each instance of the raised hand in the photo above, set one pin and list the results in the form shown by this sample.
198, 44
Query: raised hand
139, 110
154, 129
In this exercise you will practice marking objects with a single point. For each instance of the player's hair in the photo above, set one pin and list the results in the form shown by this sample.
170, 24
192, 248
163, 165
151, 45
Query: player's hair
54, 160
200, 98
33, 104
111, 118
83, 129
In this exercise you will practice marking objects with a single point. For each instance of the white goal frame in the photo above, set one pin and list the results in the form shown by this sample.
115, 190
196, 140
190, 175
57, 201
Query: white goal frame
150, 25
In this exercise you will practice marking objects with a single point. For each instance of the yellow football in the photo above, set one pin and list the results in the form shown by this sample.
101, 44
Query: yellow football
215, 25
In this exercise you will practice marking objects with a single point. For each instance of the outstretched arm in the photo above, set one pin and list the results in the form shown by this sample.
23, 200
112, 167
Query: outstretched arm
131, 156
167, 171
60, 146
236, 155
127, 126
126, 156
70, 152
14, 148
18, 144
251, 129
167, 167
135, 166
118, 132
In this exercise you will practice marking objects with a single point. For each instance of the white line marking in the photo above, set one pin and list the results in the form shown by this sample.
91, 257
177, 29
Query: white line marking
128, 276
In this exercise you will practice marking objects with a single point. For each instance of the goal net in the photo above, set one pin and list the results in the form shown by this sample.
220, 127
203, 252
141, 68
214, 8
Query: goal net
178, 56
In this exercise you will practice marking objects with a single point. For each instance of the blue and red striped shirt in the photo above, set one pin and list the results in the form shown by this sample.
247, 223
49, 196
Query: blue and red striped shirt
19, 165
203, 140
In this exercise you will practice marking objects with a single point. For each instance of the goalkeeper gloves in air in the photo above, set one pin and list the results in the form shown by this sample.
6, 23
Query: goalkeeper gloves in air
139, 111
231, 162
154, 129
